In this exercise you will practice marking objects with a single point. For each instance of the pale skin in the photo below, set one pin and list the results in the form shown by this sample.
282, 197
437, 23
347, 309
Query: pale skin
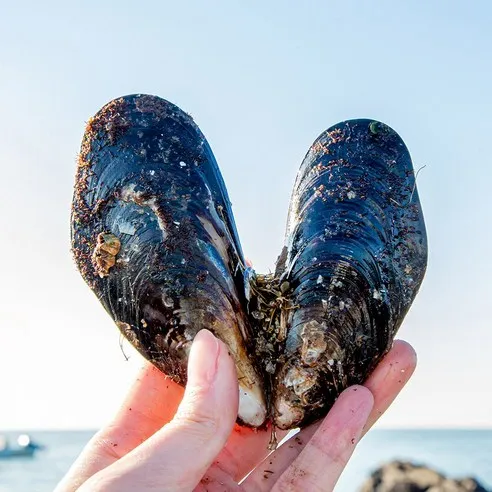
165, 438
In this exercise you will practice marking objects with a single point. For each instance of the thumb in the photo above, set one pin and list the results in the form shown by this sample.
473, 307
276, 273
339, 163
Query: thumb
177, 456
207, 414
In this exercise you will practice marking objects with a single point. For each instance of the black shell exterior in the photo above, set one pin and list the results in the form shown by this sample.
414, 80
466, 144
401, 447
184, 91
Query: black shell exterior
153, 235
356, 255
148, 186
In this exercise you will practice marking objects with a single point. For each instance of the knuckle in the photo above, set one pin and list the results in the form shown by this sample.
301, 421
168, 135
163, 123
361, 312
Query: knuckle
198, 417
104, 447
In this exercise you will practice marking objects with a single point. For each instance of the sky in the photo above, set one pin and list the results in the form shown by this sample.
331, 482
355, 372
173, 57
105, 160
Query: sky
262, 80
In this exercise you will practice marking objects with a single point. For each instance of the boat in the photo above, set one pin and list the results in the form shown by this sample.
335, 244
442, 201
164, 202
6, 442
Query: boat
25, 447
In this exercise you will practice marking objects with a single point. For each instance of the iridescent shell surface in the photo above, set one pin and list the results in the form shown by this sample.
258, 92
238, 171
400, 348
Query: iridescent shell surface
153, 235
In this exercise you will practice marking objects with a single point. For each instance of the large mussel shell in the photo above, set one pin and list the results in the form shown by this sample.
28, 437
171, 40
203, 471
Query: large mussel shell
356, 253
153, 235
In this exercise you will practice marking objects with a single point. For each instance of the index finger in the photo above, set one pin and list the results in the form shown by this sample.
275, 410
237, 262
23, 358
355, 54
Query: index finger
150, 404
321, 462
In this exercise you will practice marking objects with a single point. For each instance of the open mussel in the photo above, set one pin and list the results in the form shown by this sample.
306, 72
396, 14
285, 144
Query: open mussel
153, 235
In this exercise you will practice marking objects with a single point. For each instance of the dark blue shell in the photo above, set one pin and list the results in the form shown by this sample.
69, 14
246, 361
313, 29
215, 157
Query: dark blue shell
153, 235
148, 180
356, 255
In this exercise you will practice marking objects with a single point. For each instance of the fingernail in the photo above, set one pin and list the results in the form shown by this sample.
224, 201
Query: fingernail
203, 361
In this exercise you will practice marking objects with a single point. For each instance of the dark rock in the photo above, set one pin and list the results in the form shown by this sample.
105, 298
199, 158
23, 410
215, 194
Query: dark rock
399, 476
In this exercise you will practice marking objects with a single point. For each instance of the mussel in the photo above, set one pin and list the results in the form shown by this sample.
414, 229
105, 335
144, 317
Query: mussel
154, 237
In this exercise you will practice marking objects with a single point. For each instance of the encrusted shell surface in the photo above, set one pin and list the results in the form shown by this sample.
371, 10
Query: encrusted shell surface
356, 253
148, 181
153, 235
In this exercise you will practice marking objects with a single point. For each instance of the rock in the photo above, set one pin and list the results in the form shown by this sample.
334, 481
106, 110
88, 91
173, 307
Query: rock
400, 476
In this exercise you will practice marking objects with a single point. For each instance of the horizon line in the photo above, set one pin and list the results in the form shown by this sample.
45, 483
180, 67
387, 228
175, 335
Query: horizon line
383, 428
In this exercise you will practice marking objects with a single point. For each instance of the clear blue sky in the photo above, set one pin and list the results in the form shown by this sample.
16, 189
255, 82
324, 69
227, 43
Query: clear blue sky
262, 79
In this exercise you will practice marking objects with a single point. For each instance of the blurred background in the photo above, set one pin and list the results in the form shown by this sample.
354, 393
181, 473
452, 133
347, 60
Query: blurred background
262, 80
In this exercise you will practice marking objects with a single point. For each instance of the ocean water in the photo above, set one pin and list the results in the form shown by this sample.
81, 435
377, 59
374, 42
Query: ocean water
458, 453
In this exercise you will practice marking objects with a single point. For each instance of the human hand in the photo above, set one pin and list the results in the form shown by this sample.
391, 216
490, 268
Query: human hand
165, 438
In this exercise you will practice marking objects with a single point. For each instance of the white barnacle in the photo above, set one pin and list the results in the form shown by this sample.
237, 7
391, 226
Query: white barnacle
377, 295
351, 195
167, 301
320, 279
313, 342
300, 379
182, 164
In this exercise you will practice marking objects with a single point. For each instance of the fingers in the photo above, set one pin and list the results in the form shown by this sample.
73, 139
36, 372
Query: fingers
325, 455
321, 462
177, 456
389, 377
245, 449
138, 419
385, 383
150, 404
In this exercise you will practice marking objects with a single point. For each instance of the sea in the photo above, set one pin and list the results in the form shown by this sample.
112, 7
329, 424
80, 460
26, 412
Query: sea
457, 453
